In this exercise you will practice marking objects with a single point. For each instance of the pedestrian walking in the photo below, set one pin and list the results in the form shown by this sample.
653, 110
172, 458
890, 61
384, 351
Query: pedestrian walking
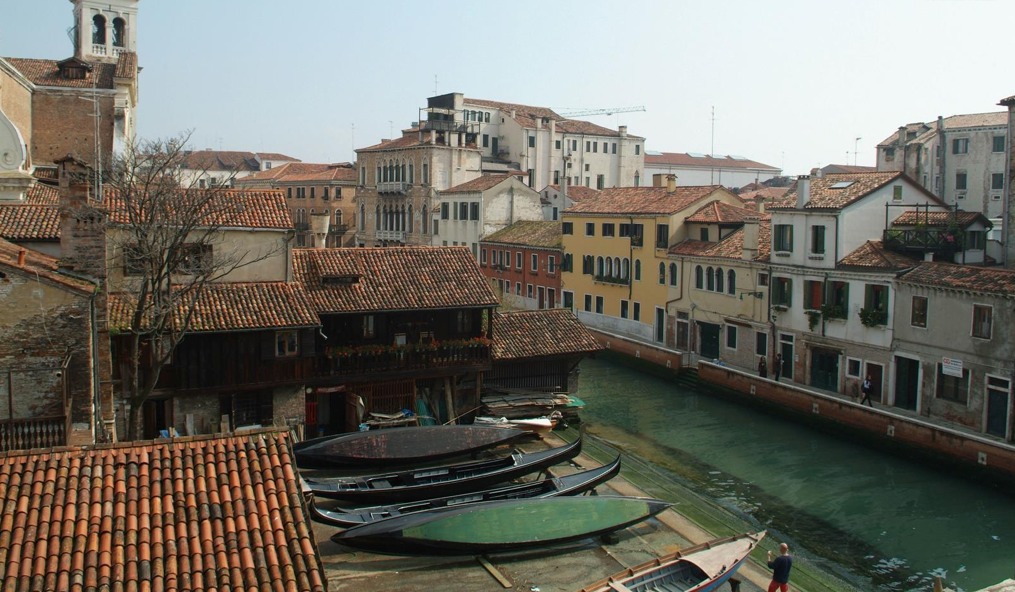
778, 366
762, 367
866, 389
780, 567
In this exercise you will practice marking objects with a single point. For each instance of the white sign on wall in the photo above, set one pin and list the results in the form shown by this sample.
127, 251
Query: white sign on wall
951, 367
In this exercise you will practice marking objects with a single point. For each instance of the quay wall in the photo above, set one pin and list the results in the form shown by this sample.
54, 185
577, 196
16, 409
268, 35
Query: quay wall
655, 354
981, 456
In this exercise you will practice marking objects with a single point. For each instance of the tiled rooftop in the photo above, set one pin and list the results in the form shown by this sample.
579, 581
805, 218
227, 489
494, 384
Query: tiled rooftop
644, 200
40, 265
531, 233
196, 513
822, 195
294, 172
715, 161
873, 255
478, 184
534, 333
47, 73
577, 192
228, 208
408, 139
23, 222
391, 278
961, 218
239, 306
731, 247
717, 212
983, 280
229, 160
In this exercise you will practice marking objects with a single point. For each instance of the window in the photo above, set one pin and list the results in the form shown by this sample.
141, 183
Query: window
614, 148
703, 234
998, 144
325, 196
556, 144
637, 311
195, 259
535, 262
818, 240
960, 146
587, 183
118, 37
662, 236
624, 304
588, 303
997, 180
837, 299
567, 228
532, 141
782, 291
814, 294
551, 264
918, 317
710, 279
518, 260
595, 146
532, 177
599, 305
699, 278
600, 182
556, 176
288, 192
853, 367
637, 148
588, 265
637, 269
133, 261
569, 300
960, 181
731, 336
588, 146
897, 193
426, 173
975, 240
482, 257
445, 212
312, 192
518, 288
762, 278
98, 30
731, 284
590, 229
286, 344
761, 343
952, 388
474, 210
889, 154
528, 290
982, 319
368, 326
608, 228
876, 301
783, 238
662, 273
463, 210
673, 274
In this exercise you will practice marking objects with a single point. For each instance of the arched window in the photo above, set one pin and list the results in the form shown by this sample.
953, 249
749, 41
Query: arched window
625, 270
637, 179
616, 267
98, 30
609, 267
710, 279
673, 274
662, 273
410, 179
731, 283
699, 278
338, 217
408, 220
402, 176
719, 280
118, 32
599, 266
377, 221
378, 179
362, 216
425, 222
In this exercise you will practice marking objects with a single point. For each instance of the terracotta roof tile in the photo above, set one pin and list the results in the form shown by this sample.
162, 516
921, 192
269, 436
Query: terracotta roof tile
644, 200
230, 160
981, 280
917, 128
478, 184
717, 212
409, 138
23, 222
531, 233
534, 333
42, 195
824, 196
577, 126
577, 192
236, 306
137, 516
126, 65
228, 208
391, 278
961, 218
714, 161
525, 115
766, 193
41, 265
294, 172
873, 255
47, 73
731, 247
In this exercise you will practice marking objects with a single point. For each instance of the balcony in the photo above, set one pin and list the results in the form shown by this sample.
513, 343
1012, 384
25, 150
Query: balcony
637, 240
98, 50
606, 279
391, 235
338, 229
394, 187
922, 240
382, 358
447, 125
37, 432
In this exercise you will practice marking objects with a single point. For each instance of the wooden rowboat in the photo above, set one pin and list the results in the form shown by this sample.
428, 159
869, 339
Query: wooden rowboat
574, 484
532, 424
439, 481
501, 525
701, 568
400, 446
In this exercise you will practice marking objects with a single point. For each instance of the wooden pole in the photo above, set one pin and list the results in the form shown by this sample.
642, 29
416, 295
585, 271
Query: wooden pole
937, 584
449, 399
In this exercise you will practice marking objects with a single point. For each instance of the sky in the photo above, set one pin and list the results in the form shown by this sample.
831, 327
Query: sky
792, 84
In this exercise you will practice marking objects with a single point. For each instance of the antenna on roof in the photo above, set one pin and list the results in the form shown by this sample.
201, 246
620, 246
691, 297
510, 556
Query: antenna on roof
435, 85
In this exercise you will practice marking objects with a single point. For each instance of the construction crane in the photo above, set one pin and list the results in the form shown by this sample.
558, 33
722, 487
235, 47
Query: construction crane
607, 111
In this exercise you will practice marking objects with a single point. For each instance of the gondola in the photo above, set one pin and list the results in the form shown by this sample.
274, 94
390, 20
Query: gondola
400, 446
439, 481
701, 568
504, 525
573, 484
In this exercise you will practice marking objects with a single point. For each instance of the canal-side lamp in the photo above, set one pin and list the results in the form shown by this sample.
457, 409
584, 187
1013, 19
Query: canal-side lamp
750, 293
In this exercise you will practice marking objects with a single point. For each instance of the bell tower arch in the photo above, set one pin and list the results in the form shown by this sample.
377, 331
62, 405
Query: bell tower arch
104, 29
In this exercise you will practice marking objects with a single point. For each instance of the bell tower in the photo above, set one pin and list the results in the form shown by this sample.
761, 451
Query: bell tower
103, 30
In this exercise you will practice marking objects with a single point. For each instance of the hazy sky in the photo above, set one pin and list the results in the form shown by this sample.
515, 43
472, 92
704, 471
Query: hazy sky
793, 84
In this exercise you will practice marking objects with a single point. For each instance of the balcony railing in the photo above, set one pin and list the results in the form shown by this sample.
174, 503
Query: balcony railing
606, 279
396, 187
924, 239
447, 125
376, 358
37, 432
338, 229
392, 235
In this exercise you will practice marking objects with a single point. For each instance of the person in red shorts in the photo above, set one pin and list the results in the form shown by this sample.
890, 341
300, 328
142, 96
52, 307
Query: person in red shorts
780, 569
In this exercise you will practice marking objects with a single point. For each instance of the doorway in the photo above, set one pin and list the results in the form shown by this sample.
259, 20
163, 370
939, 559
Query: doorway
825, 369
661, 327
786, 349
877, 374
998, 394
709, 346
907, 382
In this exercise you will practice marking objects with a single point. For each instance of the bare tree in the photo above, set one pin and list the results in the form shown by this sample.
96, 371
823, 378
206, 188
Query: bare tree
170, 239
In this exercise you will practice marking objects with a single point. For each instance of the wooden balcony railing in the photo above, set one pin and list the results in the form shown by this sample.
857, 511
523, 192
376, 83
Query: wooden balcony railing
364, 359
36, 432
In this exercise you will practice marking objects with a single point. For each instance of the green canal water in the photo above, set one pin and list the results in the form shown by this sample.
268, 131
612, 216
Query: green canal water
888, 522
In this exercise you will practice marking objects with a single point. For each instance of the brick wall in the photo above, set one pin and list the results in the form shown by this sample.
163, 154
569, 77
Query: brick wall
63, 123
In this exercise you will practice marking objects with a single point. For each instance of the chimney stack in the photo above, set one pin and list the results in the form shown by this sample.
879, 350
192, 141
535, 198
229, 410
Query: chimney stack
21, 257
319, 224
750, 238
671, 183
803, 191
622, 130
759, 201
902, 137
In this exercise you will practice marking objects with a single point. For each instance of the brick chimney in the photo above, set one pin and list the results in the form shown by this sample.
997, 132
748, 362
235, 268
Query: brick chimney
750, 238
671, 183
82, 224
803, 191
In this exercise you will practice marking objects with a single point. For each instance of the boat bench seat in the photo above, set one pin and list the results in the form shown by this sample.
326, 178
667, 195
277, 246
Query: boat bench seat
381, 484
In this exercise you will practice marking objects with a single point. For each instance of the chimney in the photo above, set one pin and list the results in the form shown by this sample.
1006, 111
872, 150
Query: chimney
750, 238
803, 191
513, 113
817, 173
902, 137
759, 201
319, 224
21, 257
671, 183
622, 130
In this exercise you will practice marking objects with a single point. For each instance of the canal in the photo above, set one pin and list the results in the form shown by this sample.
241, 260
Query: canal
887, 522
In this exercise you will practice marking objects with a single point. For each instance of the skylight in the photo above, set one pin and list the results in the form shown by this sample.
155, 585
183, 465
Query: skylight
737, 157
696, 155
841, 185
